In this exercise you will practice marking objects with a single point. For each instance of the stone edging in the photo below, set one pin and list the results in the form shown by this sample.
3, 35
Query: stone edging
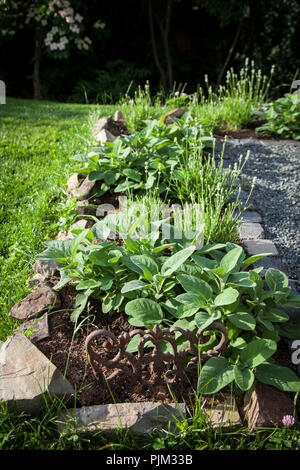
18, 352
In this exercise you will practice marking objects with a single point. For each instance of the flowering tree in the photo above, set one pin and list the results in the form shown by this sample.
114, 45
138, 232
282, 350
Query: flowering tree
56, 24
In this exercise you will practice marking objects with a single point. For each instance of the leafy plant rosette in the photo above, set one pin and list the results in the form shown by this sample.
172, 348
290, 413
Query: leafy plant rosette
283, 117
175, 284
143, 160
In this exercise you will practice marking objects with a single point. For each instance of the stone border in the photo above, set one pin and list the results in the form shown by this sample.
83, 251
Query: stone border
140, 417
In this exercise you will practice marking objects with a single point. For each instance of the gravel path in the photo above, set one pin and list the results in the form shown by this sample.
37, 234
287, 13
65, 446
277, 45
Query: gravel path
276, 166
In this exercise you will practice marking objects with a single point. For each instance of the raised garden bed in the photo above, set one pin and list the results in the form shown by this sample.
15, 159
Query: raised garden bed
67, 352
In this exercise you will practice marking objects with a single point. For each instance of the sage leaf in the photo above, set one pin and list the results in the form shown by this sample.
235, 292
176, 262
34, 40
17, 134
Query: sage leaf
215, 375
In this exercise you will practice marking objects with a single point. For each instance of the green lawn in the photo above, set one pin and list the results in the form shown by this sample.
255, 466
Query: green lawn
37, 142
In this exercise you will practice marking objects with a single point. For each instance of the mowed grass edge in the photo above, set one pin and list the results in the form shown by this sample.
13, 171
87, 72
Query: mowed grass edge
37, 141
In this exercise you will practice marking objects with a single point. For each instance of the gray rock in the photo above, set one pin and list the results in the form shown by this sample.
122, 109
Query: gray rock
270, 262
46, 268
36, 329
82, 223
223, 414
118, 115
40, 300
266, 406
36, 280
27, 377
251, 231
105, 136
140, 418
256, 247
84, 190
101, 124
63, 235
72, 184
251, 217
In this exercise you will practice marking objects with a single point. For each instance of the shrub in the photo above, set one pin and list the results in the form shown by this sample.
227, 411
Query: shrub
283, 117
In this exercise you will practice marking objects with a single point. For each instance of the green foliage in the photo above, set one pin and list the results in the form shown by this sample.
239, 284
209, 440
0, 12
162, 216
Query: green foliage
233, 105
109, 84
143, 160
283, 117
173, 161
141, 107
137, 278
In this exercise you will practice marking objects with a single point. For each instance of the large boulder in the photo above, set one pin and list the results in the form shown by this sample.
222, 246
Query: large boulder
27, 377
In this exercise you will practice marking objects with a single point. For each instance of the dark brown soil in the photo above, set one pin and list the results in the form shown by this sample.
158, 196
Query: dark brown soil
118, 128
67, 352
246, 133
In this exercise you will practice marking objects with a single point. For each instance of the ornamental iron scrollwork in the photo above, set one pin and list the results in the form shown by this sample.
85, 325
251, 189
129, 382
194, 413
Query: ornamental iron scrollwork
171, 366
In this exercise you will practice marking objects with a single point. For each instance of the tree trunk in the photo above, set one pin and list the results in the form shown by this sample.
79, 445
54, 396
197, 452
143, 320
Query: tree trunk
167, 45
165, 30
154, 48
229, 55
37, 87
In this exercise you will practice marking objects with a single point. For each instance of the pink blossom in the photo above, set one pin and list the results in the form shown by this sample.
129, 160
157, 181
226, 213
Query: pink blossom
78, 18
288, 420
75, 29
69, 19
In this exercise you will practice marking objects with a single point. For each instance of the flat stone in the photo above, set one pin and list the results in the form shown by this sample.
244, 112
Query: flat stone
46, 268
40, 300
35, 329
36, 280
223, 414
63, 235
256, 247
251, 231
266, 406
140, 418
243, 198
105, 136
84, 190
27, 377
118, 115
251, 217
270, 262
82, 223
101, 124
73, 183
174, 113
